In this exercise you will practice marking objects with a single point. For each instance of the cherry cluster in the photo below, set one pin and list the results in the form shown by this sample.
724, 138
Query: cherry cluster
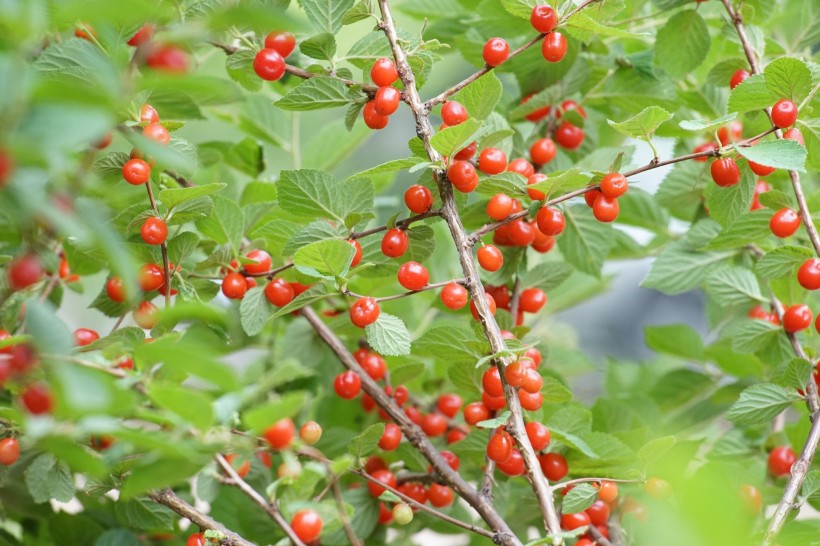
269, 62
377, 111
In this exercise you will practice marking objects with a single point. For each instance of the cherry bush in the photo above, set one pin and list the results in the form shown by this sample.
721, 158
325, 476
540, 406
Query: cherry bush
293, 352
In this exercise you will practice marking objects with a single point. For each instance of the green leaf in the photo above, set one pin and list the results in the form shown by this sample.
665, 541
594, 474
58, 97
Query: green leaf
326, 15
509, 183
359, 12
328, 259
644, 124
313, 194
585, 241
797, 374
750, 336
191, 405
315, 293
747, 229
393, 166
781, 154
144, 514
316, 93
554, 392
261, 417
453, 139
682, 43
782, 261
254, 311
585, 28
760, 404
560, 182
181, 246
48, 478
733, 286
226, 223
159, 473
481, 96
239, 67
547, 276
321, 47
752, 94
519, 8
700, 126
117, 537
727, 204
451, 343
407, 372
788, 78
388, 336
675, 339
655, 450
581, 497
366, 443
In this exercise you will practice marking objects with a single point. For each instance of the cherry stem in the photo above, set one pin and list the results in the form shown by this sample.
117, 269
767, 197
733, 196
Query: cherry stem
561, 485
433, 286
402, 224
163, 248
168, 498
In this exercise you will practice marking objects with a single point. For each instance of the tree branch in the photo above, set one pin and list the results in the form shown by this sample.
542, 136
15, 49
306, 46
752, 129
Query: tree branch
166, 270
432, 286
400, 224
168, 498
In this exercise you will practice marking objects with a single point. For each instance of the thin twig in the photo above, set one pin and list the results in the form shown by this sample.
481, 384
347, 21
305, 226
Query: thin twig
432, 286
163, 248
600, 539
559, 486
403, 224
487, 477
349, 531
168, 498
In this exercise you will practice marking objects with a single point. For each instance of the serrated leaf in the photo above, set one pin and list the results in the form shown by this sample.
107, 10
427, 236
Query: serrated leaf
357, 13
547, 276
496, 422
330, 258
560, 182
261, 417
750, 336
585, 28
321, 47
760, 404
173, 197
254, 311
316, 93
226, 223
655, 450
581, 497
555, 392
48, 478
781, 154
509, 183
745, 230
644, 124
752, 94
315, 293
733, 286
782, 261
326, 15
585, 241
797, 374
366, 443
392, 166
788, 78
314, 194
451, 343
239, 67
700, 126
388, 336
481, 96
675, 339
191, 405
682, 43
453, 139
727, 204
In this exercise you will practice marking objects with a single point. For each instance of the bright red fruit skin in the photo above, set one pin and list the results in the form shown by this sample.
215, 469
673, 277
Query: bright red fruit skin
37, 399
307, 524
440, 495
453, 113
384, 72
543, 19
475, 412
144, 35
732, 132
262, 262
491, 382
725, 172
784, 113
492, 161
136, 172
614, 185
554, 466
365, 311
385, 477
500, 447
550, 221
154, 231
569, 136
168, 58
781, 460
395, 243
197, 539
705, 147
391, 437
605, 209
85, 336
234, 286
761, 170
796, 318
532, 300
463, 176
554, 47
413, 276
454, 296
514, 466
784, 223
795, 135
809, 274
500, 206
536, 195
25, 271
449, 404
372, 118
279, 292
269, 64
490, 304
282, 42
145, 315
151, 277
490, 258
538, 434
387, 101
522, 167
418, 199
543, 151
347, 385
434, 424
280, 434
496, 51
574, 521
737, 78
9, 451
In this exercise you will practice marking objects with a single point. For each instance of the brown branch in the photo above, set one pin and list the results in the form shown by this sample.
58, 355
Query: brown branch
403, 224
340, 504
449, 211
600, 539
270, 508
179, 179
488, 477
559, 486
414, 434
168, 498
432, 286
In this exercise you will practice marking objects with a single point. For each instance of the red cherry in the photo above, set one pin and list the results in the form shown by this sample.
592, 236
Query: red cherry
543, 19
490, 258
532, 300
136, 171
309, 433
282, 42
384, 72
614, 185
145, 315
453, 113
154, 231
522, 167
475, 412
450, 458
449, 404
463, 176
514, 466
385, 477
501, 295
149, 114
493, 403
554, 47
269, 64
784, 223
781, 460
307, 525
357, 255
534, 382
385, 514
434, 424
598, 513
554, 466
492, 161
6, 167
490, 304
536, 195
401, 395
730, 133
454, 296
280, 434
365, 311
543, 151
466, 153
572, 105
372, 118
500, 206
574, 521
569, 136
151, 277
760, 188
455, 435
144, 35
196, 539
375, 366
440, 495
530, 401
167, 58
387, 101
85, 336
795, 135
413, 276
608, 491
491, 382
415, 491
37, 399
796, 318
496, 51
418, 199
784, 113
395, 243
538, 434
761, 170
605, 209
234, 286
261, 262
515, 374
550, 221
25, 271
532, 354
500, 446
809, 274
391, 437
725, 172
705, 147
542, 243
156, 132
105, 141
9, 451
537, 115
737, 78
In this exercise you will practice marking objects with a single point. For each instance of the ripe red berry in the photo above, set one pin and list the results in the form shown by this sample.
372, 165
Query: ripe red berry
534, 381
492, 161
384, 72
466, 153
809, 274
282, 42
568, 105
280, 434
500, 446
453, 113
387, 101
454, 296
605, 209
550, 221
261, 262
391, 437
36, 398
784, 223
347, 385
434, 424
375, 366
795, 135
554, 47
574, 521
269, 64
157, 132
493, 403
532, 300
522, 167
25, 271
490, 303
705, 147
781, 460
85, 336
449, 404
538, 434
418, 199
614, 185
144, 35
761, 187
357, 255
608, 491
490, 258
310, 432
372, 118
536, 195
761, 170
413, 276
440, 495
537, 115
500, 206
731, 132
9, 451
725, 172
154, 231
569, 136
395, 243
6, 167
475, 412
365, 311
136, 171
514, 466
463, 176
145, 315
515, 374
554, 466
491, 382
307, 525
234, 286
151, 277
496, 51
383, 476
543, 151
530, 401
784, 113
737, 78
543, 19
149, 114
796, 318
167, 58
